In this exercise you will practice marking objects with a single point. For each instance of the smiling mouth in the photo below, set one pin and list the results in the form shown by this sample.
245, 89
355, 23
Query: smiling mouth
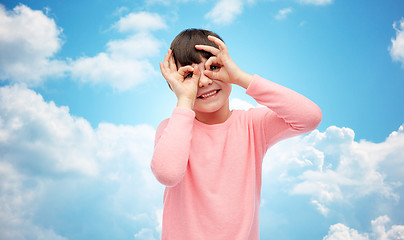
209, 94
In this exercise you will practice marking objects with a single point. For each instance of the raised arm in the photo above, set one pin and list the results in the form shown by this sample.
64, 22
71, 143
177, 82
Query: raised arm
291, 113
173, 136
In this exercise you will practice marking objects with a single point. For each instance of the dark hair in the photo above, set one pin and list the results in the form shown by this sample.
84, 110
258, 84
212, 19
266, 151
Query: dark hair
183, 46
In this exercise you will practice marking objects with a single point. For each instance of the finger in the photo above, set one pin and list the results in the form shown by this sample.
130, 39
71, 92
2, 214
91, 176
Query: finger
211, 74
184, 70
207, 48
166, 60
166, 75
173, 66
210, 61
196, 74
219, 42
163, 71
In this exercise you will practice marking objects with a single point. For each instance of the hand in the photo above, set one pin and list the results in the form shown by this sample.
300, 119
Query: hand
183, 82
221, 67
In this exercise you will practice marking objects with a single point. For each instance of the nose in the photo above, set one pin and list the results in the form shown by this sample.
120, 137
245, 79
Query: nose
204, 81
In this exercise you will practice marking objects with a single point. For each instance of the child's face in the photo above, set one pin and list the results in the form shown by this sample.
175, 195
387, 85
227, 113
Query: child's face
213, 95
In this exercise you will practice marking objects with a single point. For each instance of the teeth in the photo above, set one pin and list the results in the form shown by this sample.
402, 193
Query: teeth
209, 94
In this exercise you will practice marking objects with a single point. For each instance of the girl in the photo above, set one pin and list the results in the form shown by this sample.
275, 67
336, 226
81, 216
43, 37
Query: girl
210, 158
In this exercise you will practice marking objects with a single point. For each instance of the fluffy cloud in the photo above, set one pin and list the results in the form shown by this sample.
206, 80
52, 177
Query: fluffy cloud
341, 232
283, 13
58, 173
333, 168
141, 21
15, 202
397, 44
225, 11
316, 2
30, 129
29, 41
125, 63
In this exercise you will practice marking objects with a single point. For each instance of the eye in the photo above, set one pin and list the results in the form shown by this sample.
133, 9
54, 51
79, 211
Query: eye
214, 67
189, 75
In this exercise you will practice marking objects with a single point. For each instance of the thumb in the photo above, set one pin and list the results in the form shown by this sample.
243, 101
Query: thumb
212, 75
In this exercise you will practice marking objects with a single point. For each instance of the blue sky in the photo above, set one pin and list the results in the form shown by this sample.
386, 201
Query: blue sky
81, 96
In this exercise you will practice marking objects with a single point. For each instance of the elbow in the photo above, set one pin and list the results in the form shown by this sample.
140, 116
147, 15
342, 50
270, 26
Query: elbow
309, 121
318, 116
166, 176
314, 118
169, 180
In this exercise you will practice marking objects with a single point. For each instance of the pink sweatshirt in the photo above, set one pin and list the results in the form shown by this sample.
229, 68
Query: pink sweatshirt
212, 173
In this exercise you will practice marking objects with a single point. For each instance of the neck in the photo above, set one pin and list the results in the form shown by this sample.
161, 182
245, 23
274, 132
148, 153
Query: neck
210, 118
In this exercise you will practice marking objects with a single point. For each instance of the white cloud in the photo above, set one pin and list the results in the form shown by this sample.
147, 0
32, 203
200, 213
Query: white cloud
283, 13
121, 74
31, 129
333, 168
54, 166
138, 46
15, 202
379, 229
320, 207
341, 232
236, 103
316, 2
29, 41
125, 63
225, 11
141, 21
397, 44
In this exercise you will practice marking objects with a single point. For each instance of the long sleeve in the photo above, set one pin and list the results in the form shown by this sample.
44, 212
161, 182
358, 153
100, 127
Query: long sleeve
291, 113
172, 145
